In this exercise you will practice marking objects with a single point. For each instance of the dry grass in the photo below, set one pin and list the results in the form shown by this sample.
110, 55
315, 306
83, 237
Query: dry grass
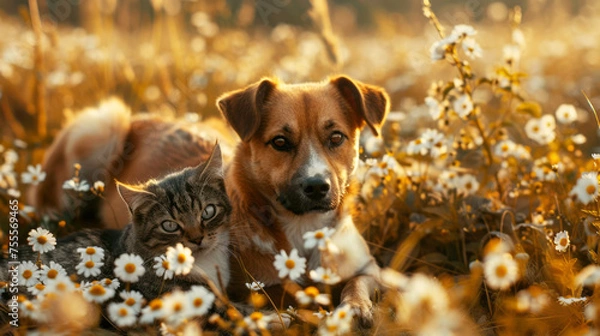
485, 199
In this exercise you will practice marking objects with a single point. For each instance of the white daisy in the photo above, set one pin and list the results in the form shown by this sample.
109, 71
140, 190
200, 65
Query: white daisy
562, 242
438, 48
61, 284
566, 114
133, 299
339, 323
324, 275
28, 274
111, 283
471, 48
36, 289
317, 238
541, 129
586, 189
52, 272
93, 253
293, 265
417, 147
122, 314
436, 110
255, 286
500, 270
128, 267
89, 268
466, 185
533, 299
425, 294
257, 321
201, 299
163, 267
34, 175
98, 187
463, 30
180, 259
311, 295
98, 293
511, 54
463, 106
41, 240
79, 186
152, 311
176, 308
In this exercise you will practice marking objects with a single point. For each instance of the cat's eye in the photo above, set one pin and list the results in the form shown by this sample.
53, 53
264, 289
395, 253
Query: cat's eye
209, 212
169, 226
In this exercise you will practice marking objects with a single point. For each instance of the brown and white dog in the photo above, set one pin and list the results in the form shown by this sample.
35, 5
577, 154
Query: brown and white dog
290, 174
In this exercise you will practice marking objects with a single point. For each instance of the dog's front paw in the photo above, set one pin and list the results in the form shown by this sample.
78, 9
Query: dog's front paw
363, 311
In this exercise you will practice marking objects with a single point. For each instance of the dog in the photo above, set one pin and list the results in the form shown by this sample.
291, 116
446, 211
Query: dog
291, 174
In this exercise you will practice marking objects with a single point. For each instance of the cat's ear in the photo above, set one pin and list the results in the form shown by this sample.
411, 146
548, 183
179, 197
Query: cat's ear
133, 196
214, 164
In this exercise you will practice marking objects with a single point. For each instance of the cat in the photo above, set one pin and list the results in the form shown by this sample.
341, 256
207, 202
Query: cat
189, 207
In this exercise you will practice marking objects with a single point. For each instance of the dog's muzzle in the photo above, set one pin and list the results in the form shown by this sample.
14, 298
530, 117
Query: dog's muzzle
307, 195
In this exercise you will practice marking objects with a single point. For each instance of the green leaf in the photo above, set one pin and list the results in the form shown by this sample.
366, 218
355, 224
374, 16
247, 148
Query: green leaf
532, 108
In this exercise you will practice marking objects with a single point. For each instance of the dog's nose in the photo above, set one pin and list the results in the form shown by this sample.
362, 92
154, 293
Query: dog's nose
316, 188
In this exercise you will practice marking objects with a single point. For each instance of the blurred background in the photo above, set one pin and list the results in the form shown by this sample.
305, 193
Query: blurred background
176, 56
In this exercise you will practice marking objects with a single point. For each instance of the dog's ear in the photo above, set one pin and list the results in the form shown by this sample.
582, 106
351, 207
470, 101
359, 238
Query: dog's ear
243, 108
371, 103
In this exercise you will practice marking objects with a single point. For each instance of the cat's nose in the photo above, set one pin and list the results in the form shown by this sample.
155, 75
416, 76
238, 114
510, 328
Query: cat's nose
197, 241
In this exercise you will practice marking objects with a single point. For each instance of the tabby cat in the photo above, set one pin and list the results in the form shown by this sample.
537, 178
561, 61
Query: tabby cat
188, 207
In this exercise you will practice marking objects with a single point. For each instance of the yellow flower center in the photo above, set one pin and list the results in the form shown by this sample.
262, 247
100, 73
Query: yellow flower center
181, 258
319, 235
97, 290
290, 264
177, 307
42, 240
536, 129
130, 268
61, 287
130, 301
256, 316
501, 271
312, 291
504, 148
123, 312
52, 274
89, 264
198, 302
165, 264
469, 186
155, 304
107, 282
563, 242
40, 286
591, 189
90, 250
27, 274
34, 177
342, 314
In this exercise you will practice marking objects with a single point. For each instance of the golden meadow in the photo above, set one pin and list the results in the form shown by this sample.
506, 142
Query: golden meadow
480, 199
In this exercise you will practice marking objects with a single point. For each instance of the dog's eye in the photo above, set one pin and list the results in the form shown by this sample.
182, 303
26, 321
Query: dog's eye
281, 144
169, 226
336, 139
209, 212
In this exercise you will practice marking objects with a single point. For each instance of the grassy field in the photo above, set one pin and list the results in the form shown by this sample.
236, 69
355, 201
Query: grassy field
480, 199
